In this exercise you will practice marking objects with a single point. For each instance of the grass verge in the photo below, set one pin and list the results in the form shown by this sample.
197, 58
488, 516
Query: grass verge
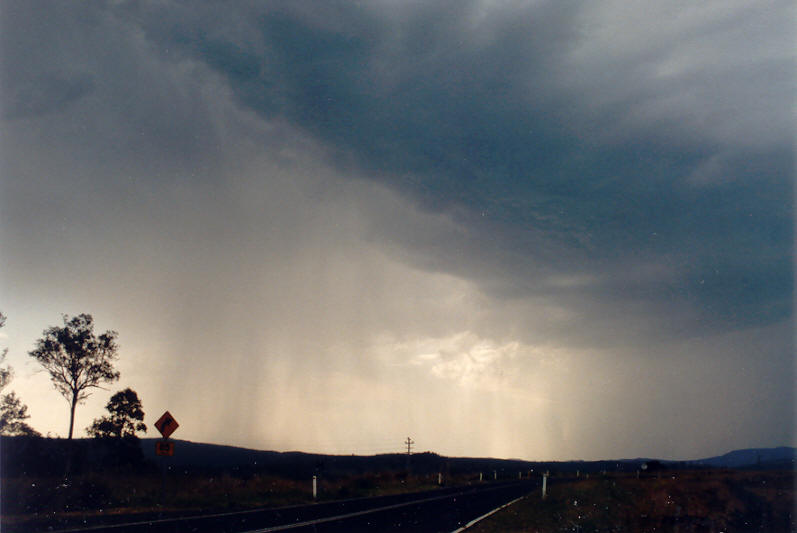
674, 501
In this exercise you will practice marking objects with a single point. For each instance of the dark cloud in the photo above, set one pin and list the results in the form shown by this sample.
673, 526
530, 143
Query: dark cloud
35, 77
556, 158
49, 93
478, 111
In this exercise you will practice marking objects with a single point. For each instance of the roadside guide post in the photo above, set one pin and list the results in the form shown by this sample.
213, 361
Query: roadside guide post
166, 424
544, 484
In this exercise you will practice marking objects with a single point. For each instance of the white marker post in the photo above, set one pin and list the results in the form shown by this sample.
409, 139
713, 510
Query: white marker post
439, 478
495, 474
481, 477
315, 487
544, 485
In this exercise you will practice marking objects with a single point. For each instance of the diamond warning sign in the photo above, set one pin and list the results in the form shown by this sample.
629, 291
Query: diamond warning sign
166, 424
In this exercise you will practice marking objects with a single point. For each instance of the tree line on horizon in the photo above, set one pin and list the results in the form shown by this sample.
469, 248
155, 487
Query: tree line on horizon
77, 361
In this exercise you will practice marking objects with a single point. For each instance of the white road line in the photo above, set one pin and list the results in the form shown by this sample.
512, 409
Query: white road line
286, 526
376, 510
349, 515
204, 516
482, 517
164, 520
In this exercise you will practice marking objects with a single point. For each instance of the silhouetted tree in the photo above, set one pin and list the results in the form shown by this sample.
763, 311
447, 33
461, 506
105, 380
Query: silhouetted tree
13, 412
76, 359
124, 420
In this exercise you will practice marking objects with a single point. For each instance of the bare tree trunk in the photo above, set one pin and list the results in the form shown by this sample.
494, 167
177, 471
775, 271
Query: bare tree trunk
70, 448
72, 415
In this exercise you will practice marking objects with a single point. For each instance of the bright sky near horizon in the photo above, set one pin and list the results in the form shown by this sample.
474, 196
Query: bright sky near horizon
542, 230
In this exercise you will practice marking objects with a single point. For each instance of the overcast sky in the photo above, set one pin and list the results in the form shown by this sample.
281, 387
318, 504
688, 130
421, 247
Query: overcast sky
544, 229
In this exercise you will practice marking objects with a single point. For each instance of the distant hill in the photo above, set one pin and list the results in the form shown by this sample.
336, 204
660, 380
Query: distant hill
41, 456
197, 456
780, 457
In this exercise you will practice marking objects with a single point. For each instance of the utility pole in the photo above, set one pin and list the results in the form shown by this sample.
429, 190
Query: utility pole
409, 442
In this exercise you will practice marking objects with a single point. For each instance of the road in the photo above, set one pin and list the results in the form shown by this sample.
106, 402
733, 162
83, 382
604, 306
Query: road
442, 510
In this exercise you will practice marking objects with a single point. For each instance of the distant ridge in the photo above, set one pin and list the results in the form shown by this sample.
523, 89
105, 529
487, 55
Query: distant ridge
778, 457
194, 455
45, 456
198, 456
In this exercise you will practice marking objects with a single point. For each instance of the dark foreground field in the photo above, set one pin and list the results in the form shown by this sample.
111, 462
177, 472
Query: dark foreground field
113, 481
41, 504
50, 484
678, 501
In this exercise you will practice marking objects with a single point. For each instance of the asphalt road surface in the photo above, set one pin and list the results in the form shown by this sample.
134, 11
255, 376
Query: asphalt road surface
442, 510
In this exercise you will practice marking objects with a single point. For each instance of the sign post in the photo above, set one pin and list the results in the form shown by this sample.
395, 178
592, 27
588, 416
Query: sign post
166, 424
